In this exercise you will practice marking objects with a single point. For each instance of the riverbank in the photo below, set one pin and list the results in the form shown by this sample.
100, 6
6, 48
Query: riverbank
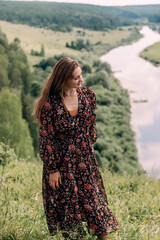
141, 79
151, 54
134, 36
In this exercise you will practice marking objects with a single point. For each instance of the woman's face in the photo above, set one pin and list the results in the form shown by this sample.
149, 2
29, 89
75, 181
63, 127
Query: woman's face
76, 80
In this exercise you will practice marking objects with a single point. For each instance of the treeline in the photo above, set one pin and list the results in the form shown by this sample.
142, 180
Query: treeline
150, 12
64, 16
142, 11
80, 44
155, 18
115, 148
60, 16
16, 99
38, 54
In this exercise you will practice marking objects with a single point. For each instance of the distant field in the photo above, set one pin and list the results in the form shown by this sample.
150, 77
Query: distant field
54, 42
152, 54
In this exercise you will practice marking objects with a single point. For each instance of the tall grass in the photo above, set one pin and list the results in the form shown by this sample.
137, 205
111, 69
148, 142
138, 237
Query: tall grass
133, 200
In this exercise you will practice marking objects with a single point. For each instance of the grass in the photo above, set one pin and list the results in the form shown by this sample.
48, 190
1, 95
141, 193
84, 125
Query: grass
133, 200
54, 42
151, 54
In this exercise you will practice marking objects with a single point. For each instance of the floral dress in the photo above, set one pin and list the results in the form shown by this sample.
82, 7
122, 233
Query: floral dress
66, 145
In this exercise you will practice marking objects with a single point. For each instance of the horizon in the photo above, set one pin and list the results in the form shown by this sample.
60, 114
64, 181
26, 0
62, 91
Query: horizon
101, 2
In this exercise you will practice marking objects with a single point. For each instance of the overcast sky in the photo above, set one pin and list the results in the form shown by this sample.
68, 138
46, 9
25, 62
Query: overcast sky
109, 2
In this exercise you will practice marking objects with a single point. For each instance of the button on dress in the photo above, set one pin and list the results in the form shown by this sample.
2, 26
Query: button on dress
66, 145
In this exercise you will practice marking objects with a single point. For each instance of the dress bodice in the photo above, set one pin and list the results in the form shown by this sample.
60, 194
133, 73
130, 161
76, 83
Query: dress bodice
73, 112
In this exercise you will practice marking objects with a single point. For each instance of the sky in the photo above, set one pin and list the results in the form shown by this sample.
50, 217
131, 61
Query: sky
108, 2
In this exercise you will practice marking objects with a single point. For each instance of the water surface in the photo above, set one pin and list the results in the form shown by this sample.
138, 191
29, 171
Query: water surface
142, 79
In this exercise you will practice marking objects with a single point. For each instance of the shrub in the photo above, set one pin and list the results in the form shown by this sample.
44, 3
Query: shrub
100, 77
86, 68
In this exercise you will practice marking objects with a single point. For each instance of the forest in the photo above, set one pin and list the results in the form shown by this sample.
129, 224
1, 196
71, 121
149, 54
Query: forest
46, 15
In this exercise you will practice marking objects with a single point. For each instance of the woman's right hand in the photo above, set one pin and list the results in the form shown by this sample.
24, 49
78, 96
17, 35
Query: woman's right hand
54, 180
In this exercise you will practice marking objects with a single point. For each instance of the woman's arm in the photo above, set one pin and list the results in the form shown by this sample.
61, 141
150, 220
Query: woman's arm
46, 139
92, 129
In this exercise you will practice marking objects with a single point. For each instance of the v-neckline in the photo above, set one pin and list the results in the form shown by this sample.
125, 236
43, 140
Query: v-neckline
62, 104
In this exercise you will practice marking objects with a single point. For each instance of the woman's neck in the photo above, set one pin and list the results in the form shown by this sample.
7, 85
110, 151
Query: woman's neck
68, 92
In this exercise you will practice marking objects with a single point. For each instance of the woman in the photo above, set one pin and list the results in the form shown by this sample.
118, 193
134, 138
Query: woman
72, 185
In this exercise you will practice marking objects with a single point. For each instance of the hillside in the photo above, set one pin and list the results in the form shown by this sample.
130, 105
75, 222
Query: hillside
115, 148
143, 10
64, 16
134, 200
16, 126
58, 16
145, 14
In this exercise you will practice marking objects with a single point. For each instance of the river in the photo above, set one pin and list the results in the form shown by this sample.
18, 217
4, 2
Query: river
142, 80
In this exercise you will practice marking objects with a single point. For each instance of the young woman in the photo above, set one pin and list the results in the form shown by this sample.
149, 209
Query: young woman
72, 186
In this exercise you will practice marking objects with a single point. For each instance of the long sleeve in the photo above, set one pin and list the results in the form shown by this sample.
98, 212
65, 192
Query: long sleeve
92, 129
48, 151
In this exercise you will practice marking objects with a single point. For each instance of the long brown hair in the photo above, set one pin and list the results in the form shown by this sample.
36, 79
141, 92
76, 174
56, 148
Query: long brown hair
61, 73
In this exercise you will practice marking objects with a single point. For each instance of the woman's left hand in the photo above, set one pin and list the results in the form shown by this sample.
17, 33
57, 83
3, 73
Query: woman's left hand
54, 180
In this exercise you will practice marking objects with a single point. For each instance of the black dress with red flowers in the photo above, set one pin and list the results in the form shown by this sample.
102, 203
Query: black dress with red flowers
66, 145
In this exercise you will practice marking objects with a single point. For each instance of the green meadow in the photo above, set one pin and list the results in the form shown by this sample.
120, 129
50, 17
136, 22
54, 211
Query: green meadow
54, 42
152, 54
134, 200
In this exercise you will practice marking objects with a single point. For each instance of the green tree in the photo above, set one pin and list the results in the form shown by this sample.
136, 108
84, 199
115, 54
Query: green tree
13, 128
4, 81
99, 78
102, 66
27, 78
86, 68
35, 89
15, 77
27, 114
3, 41
42, 53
